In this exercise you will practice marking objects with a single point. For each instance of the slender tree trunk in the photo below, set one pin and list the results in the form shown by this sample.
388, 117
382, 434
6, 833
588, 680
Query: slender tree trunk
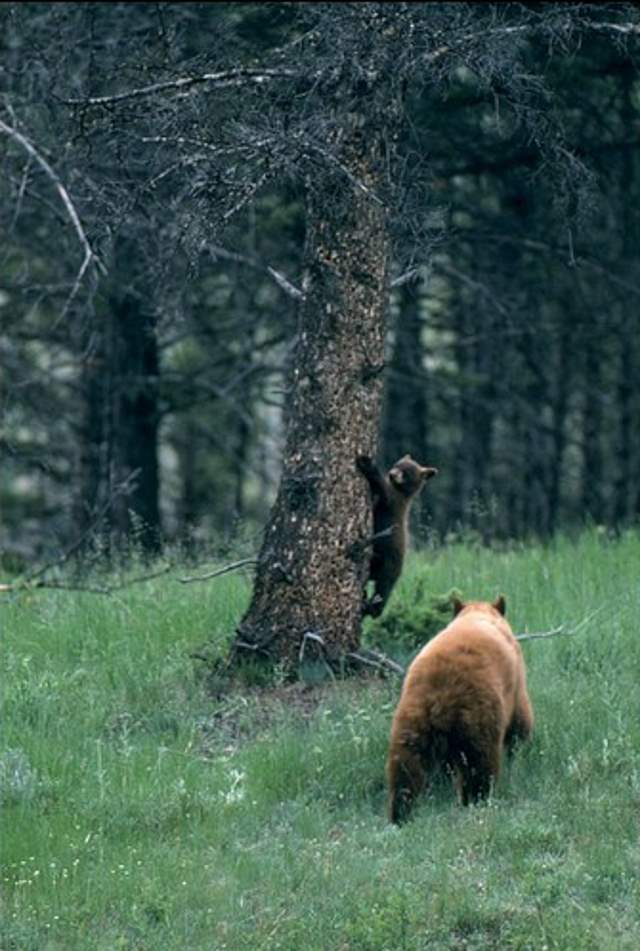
188, 508
136, 421
309, 581
92, 473
560, 403
404, 427
471, 487
405, 424
535, 486
593, 464
628, 405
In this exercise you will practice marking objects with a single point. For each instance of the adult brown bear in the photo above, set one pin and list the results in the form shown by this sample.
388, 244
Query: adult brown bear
463, 699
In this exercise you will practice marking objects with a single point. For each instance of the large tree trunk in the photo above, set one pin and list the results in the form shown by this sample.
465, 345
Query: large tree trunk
307, 596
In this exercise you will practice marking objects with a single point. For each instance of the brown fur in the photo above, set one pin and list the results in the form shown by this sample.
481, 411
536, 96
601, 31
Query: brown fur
392, 497
463, 700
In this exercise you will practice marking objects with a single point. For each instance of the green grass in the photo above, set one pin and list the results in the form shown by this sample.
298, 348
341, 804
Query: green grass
141, 812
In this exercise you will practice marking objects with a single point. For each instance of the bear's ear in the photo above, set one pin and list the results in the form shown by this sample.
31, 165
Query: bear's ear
427, 472
457, 606
500, 604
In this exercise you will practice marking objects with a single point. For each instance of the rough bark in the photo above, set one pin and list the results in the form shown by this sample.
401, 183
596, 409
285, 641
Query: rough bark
307, 595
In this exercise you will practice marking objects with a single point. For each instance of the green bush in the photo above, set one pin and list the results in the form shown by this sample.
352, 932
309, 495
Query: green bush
413, 618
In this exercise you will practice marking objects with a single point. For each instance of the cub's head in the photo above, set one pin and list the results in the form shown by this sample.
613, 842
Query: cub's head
407, 476
497, 608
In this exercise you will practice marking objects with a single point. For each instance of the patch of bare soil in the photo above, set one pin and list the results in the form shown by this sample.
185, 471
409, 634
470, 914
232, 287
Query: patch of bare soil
246, 713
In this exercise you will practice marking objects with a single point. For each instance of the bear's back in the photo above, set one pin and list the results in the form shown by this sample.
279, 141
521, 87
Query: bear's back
473, 663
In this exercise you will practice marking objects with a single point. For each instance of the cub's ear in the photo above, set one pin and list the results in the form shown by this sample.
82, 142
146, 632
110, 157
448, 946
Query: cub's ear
427, 472
457, 606
500, 604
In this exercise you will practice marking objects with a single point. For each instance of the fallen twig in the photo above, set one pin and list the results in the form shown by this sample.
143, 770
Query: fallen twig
542, 634
372, 658
561, 629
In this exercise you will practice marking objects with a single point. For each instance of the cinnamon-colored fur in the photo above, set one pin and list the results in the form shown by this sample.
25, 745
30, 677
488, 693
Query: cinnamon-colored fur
392, 497
463, 699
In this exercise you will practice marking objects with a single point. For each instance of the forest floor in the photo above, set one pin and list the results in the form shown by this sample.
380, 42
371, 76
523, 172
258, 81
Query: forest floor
145, 806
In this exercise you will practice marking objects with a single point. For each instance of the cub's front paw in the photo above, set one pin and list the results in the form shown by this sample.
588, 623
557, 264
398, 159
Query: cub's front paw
365, 464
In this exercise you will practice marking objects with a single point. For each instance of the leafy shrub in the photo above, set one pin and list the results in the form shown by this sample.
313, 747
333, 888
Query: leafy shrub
413, 619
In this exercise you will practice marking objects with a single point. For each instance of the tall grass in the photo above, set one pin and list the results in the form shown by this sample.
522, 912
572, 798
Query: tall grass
141, 811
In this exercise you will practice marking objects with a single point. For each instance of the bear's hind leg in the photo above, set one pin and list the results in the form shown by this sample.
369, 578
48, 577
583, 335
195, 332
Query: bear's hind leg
521, 726
407, 779
475, 772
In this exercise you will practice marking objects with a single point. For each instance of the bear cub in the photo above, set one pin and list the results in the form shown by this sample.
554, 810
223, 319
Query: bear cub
392, 496
463, 700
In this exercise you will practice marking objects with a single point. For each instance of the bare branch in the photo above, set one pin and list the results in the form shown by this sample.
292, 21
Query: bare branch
409, 275
225, 78
371, 658
87, 589
542, 634
357, 182
90, 257
561, 627
282, 282
248, 195
258, 76
309, 636
524, 29
174, 140
220, 571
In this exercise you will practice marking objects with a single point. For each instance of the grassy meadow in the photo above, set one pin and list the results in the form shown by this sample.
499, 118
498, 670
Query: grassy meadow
142, 809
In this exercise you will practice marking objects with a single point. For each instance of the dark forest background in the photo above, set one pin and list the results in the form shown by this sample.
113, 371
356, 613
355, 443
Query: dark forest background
144, 349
